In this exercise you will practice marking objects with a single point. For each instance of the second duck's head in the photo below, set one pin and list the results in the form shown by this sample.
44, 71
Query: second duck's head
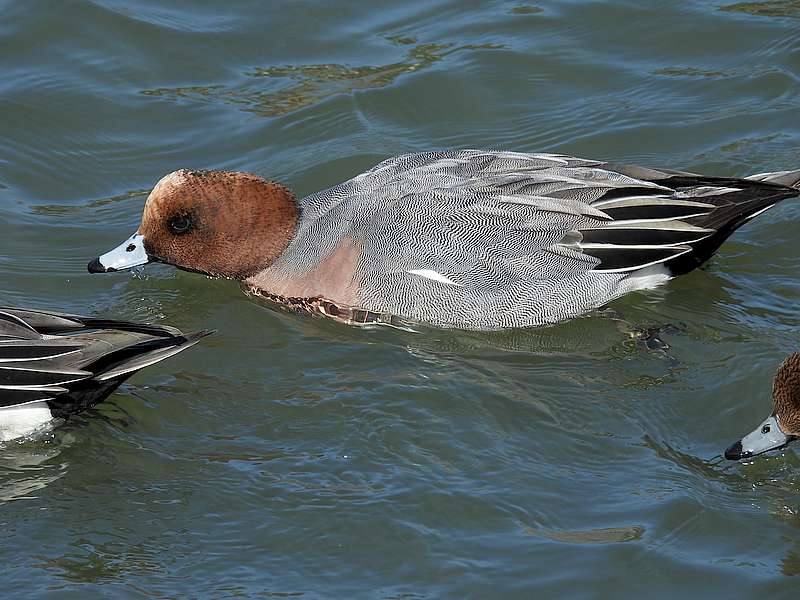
783, 425
221, 223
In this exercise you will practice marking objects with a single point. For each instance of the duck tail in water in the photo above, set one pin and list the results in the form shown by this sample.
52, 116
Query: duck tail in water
53, 365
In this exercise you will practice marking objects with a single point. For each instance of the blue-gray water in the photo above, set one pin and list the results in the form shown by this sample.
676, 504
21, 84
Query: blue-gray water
287, 456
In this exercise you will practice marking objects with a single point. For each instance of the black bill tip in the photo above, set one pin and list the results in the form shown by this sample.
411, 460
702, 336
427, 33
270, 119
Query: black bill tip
95, 266
735, 452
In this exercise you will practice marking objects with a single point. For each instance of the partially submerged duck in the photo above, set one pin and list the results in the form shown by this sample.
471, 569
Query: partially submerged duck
467, 238
783, 425
53, 365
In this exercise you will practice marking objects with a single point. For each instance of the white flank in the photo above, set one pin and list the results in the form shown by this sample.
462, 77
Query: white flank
434, 275
648, 277
22, 420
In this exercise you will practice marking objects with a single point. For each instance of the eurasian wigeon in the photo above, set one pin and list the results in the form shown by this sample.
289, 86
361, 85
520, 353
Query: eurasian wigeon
783, 425
53, 365
468, 238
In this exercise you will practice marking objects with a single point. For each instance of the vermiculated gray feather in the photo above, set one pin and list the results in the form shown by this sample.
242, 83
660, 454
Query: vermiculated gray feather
491, 240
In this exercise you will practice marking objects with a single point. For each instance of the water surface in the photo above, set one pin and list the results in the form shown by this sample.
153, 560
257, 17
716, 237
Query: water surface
288, 456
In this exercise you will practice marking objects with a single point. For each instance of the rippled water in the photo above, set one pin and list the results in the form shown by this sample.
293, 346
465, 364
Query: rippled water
291, 456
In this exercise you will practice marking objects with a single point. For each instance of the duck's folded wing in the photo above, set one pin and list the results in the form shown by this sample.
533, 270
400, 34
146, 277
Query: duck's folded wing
680, 228
506, 206
15, 396
444, 234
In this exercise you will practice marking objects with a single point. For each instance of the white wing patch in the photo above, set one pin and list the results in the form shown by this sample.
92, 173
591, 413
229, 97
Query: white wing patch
435, 276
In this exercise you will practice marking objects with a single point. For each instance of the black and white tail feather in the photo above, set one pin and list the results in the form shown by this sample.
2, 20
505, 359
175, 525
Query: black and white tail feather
680, 222
53, 365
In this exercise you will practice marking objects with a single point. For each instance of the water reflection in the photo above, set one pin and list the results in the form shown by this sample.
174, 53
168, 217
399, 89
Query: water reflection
770, 480
305, 85
62, 210
785, 505
692, 72
528, 9
27, 466
98, 562
771, 8
603, 333
604, 535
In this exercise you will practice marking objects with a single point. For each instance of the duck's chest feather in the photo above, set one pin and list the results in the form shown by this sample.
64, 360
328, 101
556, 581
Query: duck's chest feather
333, 278
331, 288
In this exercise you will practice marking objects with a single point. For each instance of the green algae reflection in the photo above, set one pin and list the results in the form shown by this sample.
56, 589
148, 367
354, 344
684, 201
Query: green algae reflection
306, 85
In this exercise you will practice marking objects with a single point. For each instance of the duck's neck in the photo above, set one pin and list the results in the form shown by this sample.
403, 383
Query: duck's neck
332, 278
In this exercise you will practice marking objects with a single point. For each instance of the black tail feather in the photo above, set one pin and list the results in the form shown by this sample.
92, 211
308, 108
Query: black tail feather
680, 229
82, 367
732, 211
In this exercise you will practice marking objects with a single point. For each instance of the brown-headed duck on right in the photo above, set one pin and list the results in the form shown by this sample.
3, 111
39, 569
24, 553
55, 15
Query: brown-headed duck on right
783, 425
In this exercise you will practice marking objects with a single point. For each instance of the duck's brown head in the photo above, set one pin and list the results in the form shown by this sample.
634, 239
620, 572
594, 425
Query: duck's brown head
786, 395
221, 223
783, 425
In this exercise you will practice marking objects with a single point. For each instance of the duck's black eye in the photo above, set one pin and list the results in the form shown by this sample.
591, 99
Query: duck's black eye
765, 429
179, 224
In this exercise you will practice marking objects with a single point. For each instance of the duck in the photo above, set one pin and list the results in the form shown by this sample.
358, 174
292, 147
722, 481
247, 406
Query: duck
469, 239
783, 425
54, 365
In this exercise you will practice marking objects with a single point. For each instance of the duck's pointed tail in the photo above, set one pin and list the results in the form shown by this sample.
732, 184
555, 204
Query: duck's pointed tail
80, 368
734, 210
129, 352
787, 178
